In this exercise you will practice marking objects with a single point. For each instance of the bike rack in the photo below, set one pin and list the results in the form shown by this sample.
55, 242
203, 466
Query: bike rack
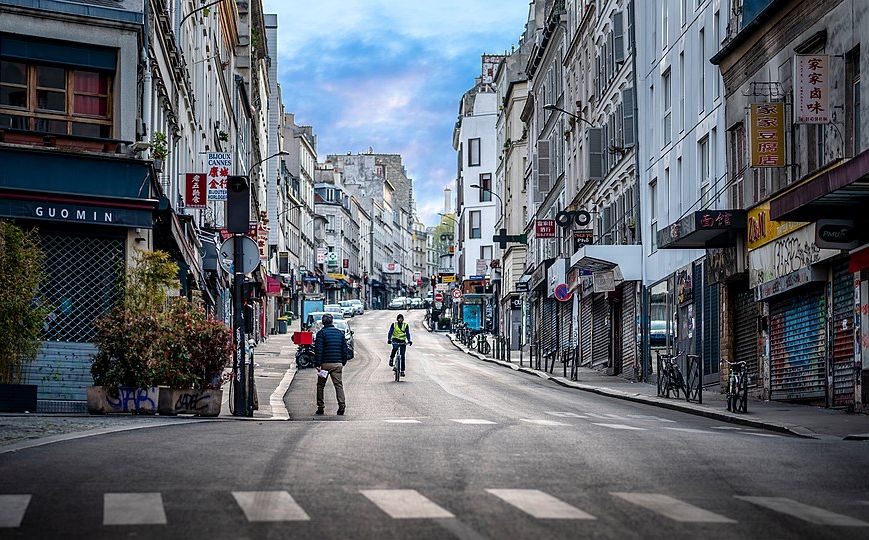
694, 378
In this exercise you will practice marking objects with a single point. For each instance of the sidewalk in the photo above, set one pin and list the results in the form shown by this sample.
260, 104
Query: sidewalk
274, 369
800, 420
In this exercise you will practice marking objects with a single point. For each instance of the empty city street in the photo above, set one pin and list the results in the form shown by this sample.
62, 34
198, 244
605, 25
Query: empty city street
457, 449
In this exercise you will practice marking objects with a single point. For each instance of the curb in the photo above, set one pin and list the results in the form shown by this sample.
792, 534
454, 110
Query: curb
796, 431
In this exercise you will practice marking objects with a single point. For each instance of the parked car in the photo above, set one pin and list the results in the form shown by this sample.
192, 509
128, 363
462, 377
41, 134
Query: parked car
398, 303
357, 306
315, 316
416, 303
340, 324
338, 308
355, 309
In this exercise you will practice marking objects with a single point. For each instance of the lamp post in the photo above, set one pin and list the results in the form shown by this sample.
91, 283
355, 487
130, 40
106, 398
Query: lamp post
501, 208
552, 107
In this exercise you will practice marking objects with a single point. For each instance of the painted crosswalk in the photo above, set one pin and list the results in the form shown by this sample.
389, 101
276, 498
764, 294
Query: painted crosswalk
472, 421
539, 504
147, 509
673, 508
624, 427
542, 422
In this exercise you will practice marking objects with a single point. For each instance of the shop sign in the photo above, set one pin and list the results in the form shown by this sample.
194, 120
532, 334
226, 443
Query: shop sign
482, 266
573, 278
345, 263
392, 268
582, 237
767, 134
515, 303
321, 255
762, 230
196, 192
801, 277
555, 276
836, 234
332, 259
448, 278
522, 286
604, 281
544, 228
785, 255
336, 276
219, 165
811, 89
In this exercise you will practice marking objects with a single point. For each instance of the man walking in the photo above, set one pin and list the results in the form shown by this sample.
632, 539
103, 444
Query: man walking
331, 353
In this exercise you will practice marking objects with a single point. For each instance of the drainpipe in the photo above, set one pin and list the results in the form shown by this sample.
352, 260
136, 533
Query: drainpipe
147, 82
644, 304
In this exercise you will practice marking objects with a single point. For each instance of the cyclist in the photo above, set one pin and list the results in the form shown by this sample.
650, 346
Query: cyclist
399, 338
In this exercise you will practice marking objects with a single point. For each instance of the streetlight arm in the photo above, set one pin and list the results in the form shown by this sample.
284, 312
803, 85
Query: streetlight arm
551, 107
197, 10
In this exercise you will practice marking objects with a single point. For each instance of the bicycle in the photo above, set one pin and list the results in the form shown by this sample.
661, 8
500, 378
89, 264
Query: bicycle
482, 344
398, 364
670, 378
737, 387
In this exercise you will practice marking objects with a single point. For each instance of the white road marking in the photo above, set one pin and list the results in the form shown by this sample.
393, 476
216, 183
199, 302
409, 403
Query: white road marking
269, 506
673, 508
402, 421
812, 514
648, 417
762, 434
620, 426
539, 504
561, 414
471, 421
595, 415
615, 416
733, 428
133, 509
540, 422
405, 504
12, 509
276, 400
690, 430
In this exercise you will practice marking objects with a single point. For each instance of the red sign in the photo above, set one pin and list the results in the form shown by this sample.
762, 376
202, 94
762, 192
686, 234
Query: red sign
346, 263
197, 190
562, 293
457, 293
439, 297
544, 228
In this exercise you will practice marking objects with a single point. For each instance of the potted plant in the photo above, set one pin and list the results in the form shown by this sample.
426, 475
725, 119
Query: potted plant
159, 149
22, 314
124, 367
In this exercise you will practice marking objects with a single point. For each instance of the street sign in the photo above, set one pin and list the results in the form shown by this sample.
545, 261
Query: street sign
562, 292
457, 294
544, 228
249, 250
197, 191
451, 278
321, 255
219, 165
439, 297
443, 287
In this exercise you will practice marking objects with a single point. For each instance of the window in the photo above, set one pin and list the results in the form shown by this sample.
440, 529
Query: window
680, 184
737, 165
55, 100
702, 97
852, 99
684, 13
653, 213
682, 92
476, 231
716, 33
705, 180
666, 193
486, 253
473, 152
486, 187
666, 106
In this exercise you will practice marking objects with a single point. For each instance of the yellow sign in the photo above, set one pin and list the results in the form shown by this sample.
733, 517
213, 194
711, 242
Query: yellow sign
337, 276
448, 279
767, 134
762, 230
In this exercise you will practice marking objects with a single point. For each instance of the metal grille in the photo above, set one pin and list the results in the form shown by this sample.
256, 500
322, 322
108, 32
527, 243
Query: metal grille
629, 332
843, 335
81, 283
745, 333
585, 329
798, 345
599, 331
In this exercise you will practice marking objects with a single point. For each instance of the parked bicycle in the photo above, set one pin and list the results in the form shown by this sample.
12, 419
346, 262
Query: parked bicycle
481, 343
737, 387
670, 377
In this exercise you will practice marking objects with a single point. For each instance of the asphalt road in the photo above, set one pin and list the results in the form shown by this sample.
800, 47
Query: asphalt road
458, 449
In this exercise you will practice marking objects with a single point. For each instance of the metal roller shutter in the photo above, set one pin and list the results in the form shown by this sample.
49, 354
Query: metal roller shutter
550, 316
843, 336
798, 345
711, 325
745, 331
629, 331
585, 329
599, 334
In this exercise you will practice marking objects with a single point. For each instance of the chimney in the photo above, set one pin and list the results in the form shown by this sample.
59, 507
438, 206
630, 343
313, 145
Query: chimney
448, 200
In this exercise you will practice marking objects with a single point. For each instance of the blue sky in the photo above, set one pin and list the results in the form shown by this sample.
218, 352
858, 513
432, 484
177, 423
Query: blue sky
388, 74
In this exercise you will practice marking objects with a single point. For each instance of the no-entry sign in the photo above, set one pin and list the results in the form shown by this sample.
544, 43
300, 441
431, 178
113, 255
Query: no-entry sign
439, 297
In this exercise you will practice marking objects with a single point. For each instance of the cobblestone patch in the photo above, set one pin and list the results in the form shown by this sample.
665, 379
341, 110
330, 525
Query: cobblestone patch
20, 428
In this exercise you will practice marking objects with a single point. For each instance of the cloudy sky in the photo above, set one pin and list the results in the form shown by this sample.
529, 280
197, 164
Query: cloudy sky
388, 74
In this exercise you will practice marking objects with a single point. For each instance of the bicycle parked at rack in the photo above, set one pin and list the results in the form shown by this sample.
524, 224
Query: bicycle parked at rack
737, 387
481, 343
670, 377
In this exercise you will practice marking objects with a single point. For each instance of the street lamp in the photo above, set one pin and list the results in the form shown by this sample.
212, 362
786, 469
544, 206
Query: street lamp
552, 107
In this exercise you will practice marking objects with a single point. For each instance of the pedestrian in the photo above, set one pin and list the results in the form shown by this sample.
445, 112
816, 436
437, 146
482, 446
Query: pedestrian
331, 353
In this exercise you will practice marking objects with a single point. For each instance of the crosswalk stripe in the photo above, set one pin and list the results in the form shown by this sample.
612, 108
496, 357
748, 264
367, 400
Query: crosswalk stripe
812, 514
541, 422
673, 508
620, 426
133, 509
471, 421
402, 421
405, 504
561, 414
269, 506
615, 416
12, 509
690, 430
539, 505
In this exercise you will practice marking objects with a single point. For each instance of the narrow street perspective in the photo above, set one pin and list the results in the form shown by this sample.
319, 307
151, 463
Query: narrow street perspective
477, 269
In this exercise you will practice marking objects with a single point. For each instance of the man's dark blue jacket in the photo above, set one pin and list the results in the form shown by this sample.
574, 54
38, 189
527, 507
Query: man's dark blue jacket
330, 347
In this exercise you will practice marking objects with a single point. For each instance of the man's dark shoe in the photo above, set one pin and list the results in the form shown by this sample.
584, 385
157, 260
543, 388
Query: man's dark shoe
340, 411
320, 411
391, 363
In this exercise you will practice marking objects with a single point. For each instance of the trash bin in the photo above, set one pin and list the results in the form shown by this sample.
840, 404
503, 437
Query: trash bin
282, 327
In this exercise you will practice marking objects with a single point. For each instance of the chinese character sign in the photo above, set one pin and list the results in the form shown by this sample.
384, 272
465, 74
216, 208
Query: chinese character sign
195, 194
767, 134
811, 89
219, 165
544, 228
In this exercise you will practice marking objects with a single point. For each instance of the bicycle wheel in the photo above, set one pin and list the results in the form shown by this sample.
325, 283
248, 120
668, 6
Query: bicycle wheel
485, 347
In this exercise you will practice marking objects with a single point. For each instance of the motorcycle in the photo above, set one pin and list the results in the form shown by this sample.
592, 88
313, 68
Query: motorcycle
305, 351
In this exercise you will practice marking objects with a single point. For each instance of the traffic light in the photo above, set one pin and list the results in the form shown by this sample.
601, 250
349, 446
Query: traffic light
434, 280
237, 204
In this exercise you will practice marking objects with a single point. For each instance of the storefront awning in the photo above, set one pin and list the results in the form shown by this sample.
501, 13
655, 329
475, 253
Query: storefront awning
703, 229
595, 258
840, 191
